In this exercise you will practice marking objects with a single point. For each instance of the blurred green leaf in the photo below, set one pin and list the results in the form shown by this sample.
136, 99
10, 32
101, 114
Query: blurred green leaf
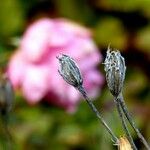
110, 31
77, 10
125, 6
11, 17
143, 38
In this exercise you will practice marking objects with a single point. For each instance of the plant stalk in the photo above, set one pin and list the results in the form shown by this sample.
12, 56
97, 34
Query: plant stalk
94, 109
132, 123
121, 115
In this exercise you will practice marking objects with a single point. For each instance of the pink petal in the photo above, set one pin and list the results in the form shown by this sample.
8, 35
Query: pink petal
16, 69
35, 83
35, 40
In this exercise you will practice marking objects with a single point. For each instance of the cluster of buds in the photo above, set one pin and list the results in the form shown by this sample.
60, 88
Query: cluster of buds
114, 66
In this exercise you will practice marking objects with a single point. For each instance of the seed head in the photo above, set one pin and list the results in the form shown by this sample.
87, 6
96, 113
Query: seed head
70, 71
114, 66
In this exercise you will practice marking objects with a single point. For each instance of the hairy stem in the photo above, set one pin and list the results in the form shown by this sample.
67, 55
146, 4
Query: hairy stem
84, 94
121, 115
132, 123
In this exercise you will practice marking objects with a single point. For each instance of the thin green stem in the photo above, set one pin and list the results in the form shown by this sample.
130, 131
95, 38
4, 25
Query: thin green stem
91, 105
121, 115
132, 123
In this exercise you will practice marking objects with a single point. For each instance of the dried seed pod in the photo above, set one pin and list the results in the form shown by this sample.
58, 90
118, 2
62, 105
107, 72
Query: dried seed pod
114, 66
6, 95
71, 74
124, 144
70, 71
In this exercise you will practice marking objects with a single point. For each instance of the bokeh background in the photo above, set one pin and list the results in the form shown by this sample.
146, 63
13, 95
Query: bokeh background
124, 24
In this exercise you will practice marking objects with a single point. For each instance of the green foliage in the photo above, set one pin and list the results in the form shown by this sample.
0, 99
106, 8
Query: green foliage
11, 17
143, 38
110, 30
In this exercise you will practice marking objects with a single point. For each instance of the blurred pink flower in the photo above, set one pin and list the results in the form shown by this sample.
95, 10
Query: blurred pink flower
33, 67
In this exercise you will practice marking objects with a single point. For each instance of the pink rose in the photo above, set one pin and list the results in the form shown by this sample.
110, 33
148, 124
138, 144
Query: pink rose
33, 67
